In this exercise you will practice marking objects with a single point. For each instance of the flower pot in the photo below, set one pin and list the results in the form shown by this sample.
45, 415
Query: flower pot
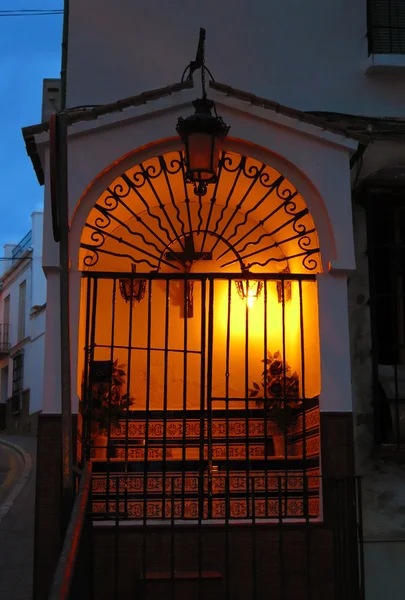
100, 442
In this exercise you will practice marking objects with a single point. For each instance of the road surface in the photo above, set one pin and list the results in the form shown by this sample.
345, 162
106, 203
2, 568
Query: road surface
11, 467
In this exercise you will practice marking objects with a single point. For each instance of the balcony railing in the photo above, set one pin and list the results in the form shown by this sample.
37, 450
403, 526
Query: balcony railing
4, 338
386, 27
24, 245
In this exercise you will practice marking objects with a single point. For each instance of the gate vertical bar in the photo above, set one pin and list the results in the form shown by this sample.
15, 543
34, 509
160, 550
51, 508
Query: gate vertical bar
165, 394
185, 364
90, 387
202, 399
227, 376
86, 384
266, 441
128, 392
209, 390
145, 455
107, 485
247, 463
282, 284
305, 479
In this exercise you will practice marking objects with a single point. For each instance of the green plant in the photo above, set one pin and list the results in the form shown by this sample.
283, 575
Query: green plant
278, 390
110, 400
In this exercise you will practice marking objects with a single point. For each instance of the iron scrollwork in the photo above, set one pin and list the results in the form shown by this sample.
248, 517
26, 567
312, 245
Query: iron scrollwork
148, 210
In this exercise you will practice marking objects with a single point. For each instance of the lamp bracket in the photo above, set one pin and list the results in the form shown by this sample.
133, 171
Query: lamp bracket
199, 63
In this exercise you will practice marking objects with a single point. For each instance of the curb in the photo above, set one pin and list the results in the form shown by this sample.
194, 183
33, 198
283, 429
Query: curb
18, 487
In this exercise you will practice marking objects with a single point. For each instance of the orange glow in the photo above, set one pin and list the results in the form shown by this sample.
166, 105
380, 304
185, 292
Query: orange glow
252, 297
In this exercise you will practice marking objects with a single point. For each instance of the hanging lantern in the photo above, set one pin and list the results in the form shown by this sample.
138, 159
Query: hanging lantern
202, 135
249, 290
132, 289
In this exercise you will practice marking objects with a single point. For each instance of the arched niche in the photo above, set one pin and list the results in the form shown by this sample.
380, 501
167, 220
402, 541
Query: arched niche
254, 220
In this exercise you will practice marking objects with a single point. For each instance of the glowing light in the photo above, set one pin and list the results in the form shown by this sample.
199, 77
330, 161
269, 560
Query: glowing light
251, 297
249, 290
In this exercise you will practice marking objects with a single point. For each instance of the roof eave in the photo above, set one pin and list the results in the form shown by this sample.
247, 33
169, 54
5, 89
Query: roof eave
286, 111
80, 115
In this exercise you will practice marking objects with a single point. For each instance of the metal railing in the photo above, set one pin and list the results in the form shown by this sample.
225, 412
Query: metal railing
386, 27
302, 557
295, 558
21, 247
4, 338
73, 576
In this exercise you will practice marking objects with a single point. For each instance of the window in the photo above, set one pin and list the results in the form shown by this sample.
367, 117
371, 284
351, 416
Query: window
386, 26
6, 323
386, 251
18, 367
21, 311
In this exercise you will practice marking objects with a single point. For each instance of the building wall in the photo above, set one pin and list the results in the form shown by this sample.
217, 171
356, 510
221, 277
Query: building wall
309, 55
382, 479
32, 342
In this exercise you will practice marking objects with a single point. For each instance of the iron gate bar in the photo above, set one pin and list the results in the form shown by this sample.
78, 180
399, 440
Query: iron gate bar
165, 406
131, 309
85, 420
246, 275
145, 463
185, 377
247, 401
209, 391
205, 414
284, 381
265, 394
91, 353
119, 346
227, 373
114, 284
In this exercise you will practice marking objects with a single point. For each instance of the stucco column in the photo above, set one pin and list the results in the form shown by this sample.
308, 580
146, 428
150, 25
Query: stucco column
52, 374
336, 388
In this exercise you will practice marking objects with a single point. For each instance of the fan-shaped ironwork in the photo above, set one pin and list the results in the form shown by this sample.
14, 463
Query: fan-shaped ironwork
251, 219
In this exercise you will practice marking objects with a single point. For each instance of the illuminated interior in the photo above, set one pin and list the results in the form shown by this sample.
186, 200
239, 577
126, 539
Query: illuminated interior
227, 279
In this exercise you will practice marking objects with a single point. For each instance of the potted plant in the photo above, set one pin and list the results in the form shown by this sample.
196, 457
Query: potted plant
278, 392
110, 400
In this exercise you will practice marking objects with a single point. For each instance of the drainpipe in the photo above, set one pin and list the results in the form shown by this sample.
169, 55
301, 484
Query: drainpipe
61, 202
63, 71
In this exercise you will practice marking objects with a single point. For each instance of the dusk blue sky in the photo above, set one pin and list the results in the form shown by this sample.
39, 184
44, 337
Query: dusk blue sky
30, 50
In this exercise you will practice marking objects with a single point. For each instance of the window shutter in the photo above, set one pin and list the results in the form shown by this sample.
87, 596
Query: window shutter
386, 26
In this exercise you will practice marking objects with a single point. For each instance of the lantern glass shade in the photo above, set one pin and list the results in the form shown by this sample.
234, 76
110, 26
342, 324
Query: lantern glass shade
202, 156
202, 135
133, 290
249, 290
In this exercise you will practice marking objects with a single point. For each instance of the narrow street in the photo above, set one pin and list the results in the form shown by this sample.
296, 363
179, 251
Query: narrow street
17, 523
11, 466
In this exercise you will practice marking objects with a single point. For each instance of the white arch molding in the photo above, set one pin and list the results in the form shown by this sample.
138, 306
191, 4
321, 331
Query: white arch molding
333, 313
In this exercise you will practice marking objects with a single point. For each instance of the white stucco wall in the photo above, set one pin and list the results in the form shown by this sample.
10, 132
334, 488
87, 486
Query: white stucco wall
33, 341
310, 55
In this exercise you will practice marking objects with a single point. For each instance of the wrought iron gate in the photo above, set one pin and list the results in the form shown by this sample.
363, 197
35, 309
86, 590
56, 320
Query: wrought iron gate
173, 374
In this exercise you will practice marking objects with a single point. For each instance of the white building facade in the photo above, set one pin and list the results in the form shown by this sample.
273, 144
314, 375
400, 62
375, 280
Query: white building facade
23, 311
313, 93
